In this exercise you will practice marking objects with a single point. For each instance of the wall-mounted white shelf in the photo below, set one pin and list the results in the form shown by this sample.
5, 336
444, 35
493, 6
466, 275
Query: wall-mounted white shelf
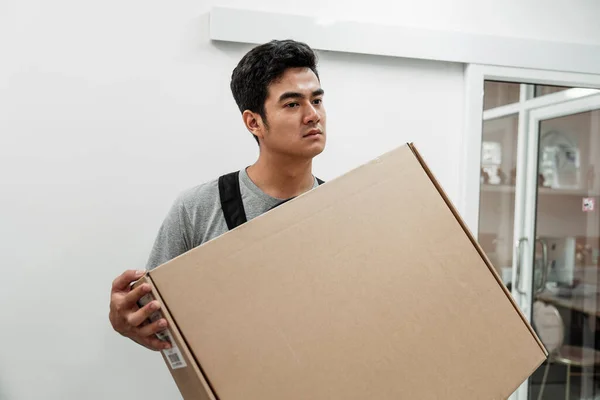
331, 34
543, 191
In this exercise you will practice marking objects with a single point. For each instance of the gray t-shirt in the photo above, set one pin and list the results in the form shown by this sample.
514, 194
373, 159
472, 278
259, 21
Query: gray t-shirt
196, 217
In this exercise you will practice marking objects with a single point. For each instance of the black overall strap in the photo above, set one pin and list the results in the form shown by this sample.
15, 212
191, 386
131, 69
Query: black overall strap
231, 200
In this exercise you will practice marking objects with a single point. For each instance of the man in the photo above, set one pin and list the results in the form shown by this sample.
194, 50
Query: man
277, 88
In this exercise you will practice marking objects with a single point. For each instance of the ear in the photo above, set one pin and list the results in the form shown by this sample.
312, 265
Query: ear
254, 123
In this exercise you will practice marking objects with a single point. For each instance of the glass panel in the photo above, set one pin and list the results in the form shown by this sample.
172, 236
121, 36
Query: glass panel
497, 198
568, 182
568, 223
542, 90
498, 94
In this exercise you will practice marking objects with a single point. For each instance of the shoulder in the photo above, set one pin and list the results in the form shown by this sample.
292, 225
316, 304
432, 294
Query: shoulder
199, 202
199, 194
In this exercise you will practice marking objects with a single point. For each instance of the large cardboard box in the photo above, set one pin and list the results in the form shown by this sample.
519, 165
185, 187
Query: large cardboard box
368, 287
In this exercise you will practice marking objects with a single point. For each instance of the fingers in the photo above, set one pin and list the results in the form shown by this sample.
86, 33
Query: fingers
122, 281
153, 328
138, 317
156, 344
135, 295
152, 343
131, 321
147, 333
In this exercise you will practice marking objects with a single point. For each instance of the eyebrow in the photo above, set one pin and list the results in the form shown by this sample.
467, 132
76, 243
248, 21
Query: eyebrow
296, 95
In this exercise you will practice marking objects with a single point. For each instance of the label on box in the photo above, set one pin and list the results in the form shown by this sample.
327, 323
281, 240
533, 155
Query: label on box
173, 355
588, 204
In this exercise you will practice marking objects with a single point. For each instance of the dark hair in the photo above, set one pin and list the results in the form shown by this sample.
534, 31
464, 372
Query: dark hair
264, 64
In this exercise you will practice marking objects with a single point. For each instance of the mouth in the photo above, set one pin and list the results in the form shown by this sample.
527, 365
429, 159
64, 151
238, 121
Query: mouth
313, 132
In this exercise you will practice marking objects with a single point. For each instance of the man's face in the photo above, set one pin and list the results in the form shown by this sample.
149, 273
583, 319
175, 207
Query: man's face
295, 115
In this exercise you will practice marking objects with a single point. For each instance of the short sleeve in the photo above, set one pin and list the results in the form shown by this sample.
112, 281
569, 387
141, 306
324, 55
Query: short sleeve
171, 240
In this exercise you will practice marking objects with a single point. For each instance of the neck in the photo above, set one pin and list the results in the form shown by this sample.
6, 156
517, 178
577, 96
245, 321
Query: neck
282, 177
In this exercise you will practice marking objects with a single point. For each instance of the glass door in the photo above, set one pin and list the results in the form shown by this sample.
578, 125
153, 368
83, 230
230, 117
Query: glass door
561, 213
538, 201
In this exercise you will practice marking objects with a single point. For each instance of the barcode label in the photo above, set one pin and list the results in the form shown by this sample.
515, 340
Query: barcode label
173, 354
174, 358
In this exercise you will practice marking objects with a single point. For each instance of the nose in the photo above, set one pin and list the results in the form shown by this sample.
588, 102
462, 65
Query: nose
312, 116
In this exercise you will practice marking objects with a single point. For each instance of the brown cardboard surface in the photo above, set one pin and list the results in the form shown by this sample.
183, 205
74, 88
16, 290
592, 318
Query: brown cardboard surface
366, 287
476, 245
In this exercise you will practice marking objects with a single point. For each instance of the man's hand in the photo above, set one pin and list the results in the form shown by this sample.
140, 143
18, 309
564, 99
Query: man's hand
130, 320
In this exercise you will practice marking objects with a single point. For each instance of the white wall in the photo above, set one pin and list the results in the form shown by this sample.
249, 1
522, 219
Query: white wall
109, 109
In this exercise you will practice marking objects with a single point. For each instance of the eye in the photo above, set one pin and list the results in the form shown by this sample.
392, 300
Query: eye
317, 101
292, 105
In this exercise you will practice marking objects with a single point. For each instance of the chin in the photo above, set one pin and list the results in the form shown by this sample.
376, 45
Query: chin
319, 150
314, 151
304, 150
306, 154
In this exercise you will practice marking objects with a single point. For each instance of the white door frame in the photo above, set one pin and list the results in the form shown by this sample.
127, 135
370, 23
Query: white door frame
528, 109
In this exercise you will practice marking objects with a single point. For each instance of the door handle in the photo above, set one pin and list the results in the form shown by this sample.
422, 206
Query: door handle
518, 255
545, 265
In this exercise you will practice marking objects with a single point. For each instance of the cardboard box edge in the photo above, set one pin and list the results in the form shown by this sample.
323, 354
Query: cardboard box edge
515, 388
179, 341
476, 244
